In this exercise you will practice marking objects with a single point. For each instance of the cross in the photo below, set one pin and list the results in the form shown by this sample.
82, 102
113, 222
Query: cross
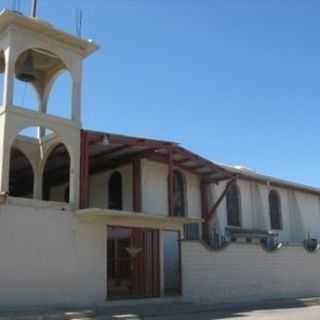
34, 8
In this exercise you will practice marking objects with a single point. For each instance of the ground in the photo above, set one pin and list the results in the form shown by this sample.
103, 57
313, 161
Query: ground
271, 310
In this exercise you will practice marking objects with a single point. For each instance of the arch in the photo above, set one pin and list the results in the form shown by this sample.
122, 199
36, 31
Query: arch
59, 95
275, 210
53, 50
56, 173
233, 199
115, 196
21, 176
179, 192
34, 69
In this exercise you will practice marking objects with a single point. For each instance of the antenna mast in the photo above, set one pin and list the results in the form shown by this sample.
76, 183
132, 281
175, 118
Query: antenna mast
34, 8
79, 18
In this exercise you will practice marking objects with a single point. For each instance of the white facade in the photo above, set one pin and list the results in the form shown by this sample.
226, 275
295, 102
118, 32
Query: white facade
48, 257
300, 211
246, 273
53, 253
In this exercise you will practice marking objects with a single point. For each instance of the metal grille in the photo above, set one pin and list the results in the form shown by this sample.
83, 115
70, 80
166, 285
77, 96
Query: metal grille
191, 231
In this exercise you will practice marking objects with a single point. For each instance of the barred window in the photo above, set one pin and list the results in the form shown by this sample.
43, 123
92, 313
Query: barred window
275, 210
233, 206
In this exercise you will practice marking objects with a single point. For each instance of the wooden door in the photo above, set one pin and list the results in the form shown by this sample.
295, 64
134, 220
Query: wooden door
146, 264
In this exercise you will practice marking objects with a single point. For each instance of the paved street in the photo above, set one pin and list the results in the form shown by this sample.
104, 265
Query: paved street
310, 313
293, 309
276, 310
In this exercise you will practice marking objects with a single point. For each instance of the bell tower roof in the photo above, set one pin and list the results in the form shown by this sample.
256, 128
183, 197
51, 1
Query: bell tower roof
84, 47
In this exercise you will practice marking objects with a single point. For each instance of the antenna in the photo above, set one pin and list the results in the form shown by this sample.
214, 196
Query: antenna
79, 18
34, 8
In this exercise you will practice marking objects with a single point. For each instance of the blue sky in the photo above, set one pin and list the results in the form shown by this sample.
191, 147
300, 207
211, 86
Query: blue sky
236, 81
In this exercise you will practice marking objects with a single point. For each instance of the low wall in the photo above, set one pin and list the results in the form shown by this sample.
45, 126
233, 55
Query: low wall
245, 272
48, 258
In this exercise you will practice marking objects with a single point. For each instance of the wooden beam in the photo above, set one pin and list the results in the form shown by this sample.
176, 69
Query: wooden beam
170, 184
111, 164
137, 185
204, 192
214, 208
206, 162
183, 161
163, 159
109, 152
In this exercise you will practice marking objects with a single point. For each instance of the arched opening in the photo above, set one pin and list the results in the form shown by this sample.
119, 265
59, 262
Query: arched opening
56, 174
275, 210
25, 95
115, 191
233, 206
60, 97
34, 70
21, 178
179, 192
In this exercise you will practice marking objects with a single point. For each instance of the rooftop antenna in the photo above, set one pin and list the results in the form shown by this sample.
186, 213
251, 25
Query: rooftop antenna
79, 18
34, 8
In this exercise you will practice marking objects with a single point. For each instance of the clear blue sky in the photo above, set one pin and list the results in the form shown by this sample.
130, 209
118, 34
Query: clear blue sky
234, 80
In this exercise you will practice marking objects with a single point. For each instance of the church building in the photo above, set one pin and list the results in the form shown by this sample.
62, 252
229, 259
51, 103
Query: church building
90, 217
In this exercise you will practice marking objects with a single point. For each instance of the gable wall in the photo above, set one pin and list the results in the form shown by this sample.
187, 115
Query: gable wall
300, 210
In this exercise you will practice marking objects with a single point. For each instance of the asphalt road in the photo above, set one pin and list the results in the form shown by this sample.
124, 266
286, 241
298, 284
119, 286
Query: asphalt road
299, 313
283, 312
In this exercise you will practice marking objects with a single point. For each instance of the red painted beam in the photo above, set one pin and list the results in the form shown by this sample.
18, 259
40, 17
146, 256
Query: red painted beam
204, 192
214, 208
137, 185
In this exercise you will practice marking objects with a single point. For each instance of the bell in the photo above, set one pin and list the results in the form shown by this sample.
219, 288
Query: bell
26, 71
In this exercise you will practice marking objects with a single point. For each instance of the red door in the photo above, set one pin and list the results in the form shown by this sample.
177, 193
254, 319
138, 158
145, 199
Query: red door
133, 263
146, 264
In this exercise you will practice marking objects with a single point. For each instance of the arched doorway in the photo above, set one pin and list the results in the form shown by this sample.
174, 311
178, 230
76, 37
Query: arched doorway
115, 191
21, 178
56, 174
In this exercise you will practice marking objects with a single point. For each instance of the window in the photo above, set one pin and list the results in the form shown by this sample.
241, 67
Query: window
115, 191
275, 210
233, 206
179, 194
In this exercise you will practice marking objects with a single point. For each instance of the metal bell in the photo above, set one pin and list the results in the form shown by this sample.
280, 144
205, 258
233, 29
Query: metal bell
26, 71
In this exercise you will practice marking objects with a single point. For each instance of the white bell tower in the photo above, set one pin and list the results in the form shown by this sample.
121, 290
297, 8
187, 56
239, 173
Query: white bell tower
34, 51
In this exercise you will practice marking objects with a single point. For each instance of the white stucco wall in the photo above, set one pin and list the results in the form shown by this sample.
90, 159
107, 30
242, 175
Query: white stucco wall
155, 190
247, 273
300, 211
99, 188
48, 257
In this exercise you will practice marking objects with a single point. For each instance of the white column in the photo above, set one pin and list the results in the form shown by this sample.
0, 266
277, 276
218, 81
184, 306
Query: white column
37, 184
9, 75
76, 93
4, 156
74, 179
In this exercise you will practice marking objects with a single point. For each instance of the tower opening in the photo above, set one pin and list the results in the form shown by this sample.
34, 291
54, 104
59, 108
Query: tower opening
21, 175
56, 175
